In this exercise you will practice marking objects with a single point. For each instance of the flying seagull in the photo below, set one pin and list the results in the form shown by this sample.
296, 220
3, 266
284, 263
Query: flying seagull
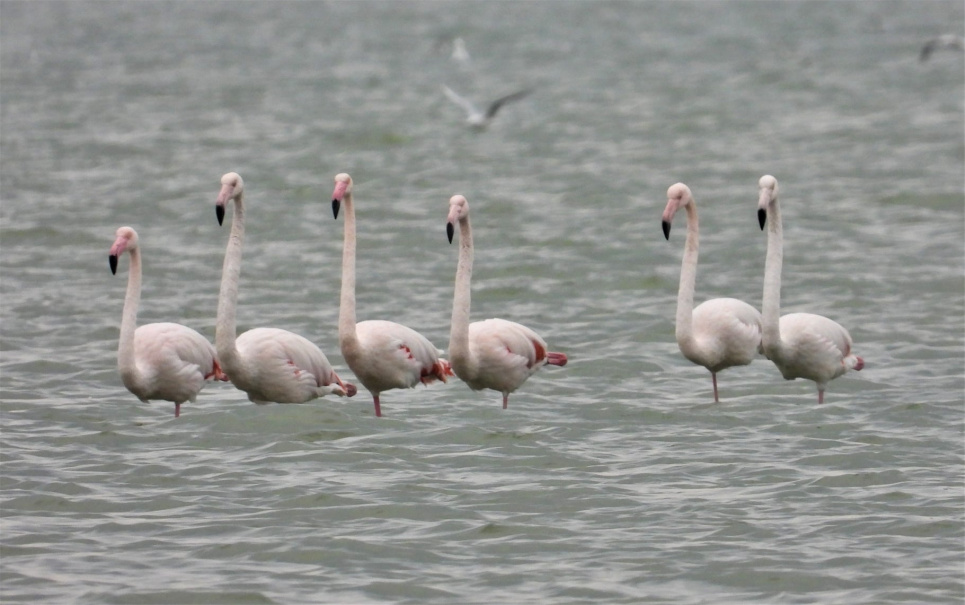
947, 41
475, 118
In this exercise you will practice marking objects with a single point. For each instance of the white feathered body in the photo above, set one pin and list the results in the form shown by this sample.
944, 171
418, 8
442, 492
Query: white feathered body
502, 355
726, 333
172, 363
391, 356
812, 347
273, 365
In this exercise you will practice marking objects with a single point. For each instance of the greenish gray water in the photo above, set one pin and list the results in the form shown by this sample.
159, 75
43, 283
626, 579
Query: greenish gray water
614, 479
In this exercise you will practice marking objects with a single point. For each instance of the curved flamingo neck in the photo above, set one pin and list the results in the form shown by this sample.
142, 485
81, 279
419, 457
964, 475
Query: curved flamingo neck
771, 303
688, 280
126, 362
347, 336
460, 355
225, 331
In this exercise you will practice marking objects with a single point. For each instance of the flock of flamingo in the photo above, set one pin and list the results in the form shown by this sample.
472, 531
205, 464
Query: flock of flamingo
171, 362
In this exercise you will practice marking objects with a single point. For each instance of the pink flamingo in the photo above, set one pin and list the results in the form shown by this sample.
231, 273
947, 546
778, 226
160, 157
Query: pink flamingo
161, 360
492, 354
268, 364
383, 354
801, 345
721, 332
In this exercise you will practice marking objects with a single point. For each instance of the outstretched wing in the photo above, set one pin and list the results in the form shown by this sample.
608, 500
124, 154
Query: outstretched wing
463, 102
495, 105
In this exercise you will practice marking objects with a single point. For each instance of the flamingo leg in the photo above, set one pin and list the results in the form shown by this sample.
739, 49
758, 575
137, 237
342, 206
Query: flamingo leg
713, 376
505, 400
820, 396
177, 410
378, 408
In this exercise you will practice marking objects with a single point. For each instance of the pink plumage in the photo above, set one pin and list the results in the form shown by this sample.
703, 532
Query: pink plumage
164, 361
268, 364
722, 332
492, 354
801, 345
383, 355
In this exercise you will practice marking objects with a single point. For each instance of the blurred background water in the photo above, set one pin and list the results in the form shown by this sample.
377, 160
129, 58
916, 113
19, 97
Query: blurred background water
614, 479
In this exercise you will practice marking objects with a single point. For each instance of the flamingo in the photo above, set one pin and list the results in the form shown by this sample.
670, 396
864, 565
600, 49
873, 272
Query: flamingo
268, 364
161, 360
801, 345
383, 354
492, 354
721, 332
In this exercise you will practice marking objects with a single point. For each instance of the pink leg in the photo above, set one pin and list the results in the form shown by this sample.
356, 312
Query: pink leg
820, 396
177, 410
713, 376
505, 400
378, 408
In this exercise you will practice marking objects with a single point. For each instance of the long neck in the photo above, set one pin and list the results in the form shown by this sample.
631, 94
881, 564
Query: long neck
125, 347
347, 338
459, 354
771, 304
688, 279
225, 333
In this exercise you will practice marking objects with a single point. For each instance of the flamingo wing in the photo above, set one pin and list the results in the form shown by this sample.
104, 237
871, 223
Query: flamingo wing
395, 356
732, 326
820, 346
290, 367
175, 359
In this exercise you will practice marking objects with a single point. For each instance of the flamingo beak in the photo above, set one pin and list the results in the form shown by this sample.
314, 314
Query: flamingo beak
449, 231
223, 196
112, 260
666, 229
340, 188
763, 202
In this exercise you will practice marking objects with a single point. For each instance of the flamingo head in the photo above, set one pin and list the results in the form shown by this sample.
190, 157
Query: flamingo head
678, 196
126, 241
343, 187
458, 211
768, 196
231, 188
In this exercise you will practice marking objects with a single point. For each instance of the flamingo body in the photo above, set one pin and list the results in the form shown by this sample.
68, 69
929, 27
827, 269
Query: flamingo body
801, 345
722, 332
268, 364
383, 355
813, 347
727, 333
165, 361
393, 356
493, 354
283, 367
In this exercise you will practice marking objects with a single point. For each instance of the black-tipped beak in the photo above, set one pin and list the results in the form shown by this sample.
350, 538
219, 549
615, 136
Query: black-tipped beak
449, 231
761, 217
219, 212
335, 206
666, 229
112, 259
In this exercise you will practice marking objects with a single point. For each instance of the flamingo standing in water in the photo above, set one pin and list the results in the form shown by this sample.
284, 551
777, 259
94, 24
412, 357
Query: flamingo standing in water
801, 345
721, 332
495, 353
161, 360
383, 354
268, 364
